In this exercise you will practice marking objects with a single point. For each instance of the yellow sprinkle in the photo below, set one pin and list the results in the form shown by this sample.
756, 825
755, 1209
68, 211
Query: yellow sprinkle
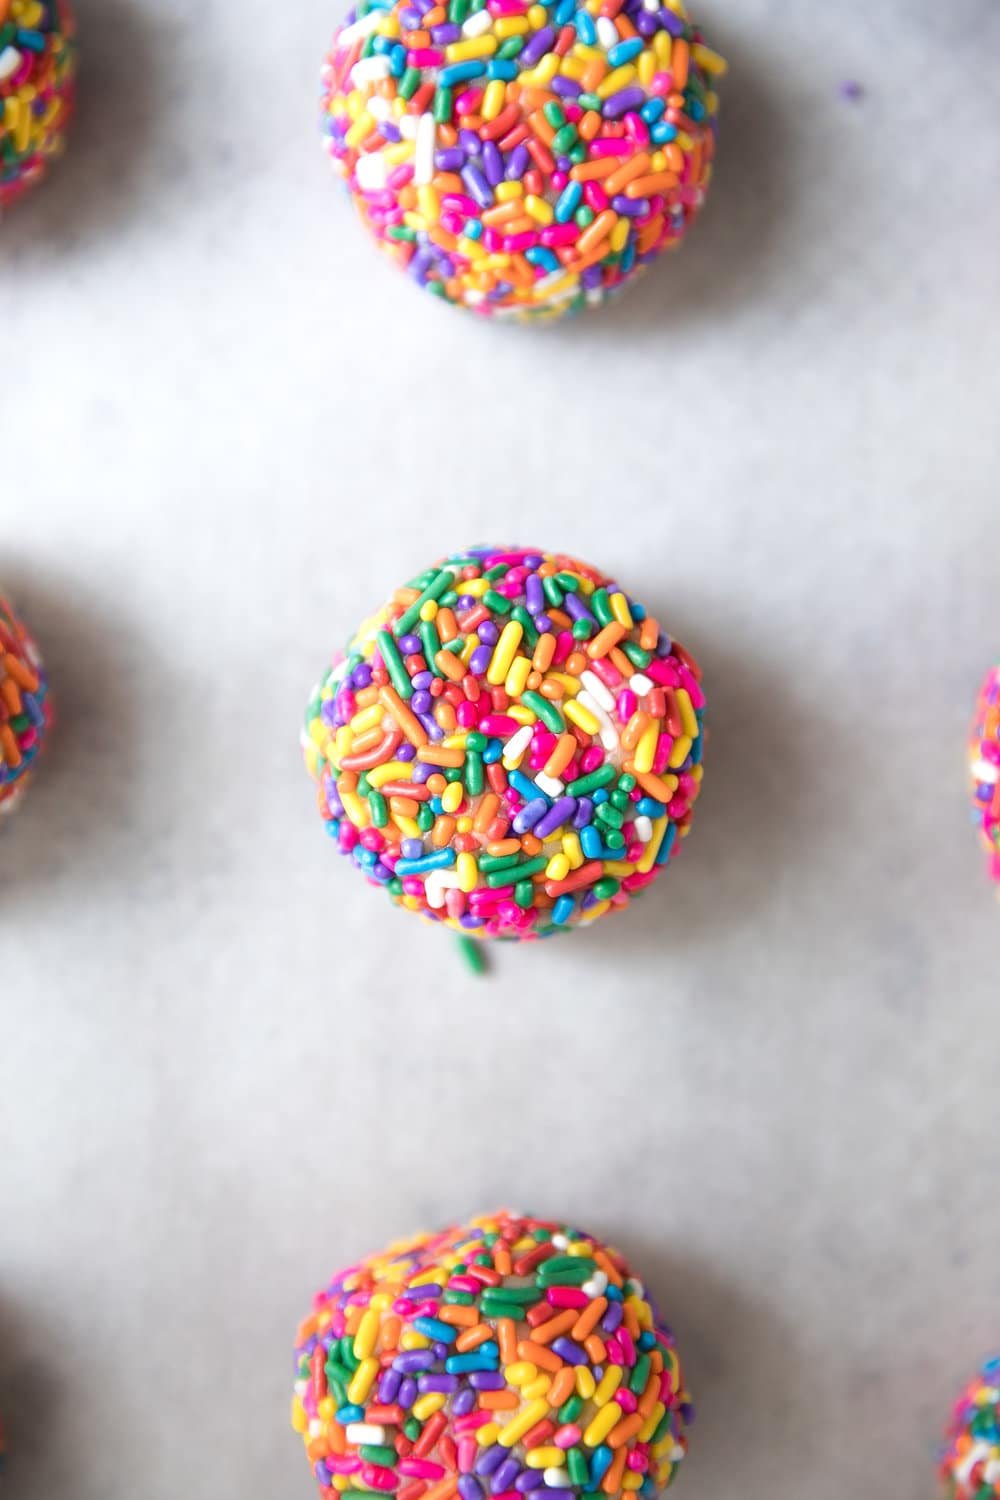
645, 65
567, 681
604, 1421
507, 26
504, 651
299, 1419
545, 1458
494, 96
557, 867
505, 192
620, 609
709, 60
537, 1388
451, 797
543, 73
521, 1372
355, 809
573, 67
631, 1480
620, 234
688, 719
410, 1340
582, 717
408, 827
540, 211
680, 752
523, 1422
662, 47
468, 874
474, 46
429, 610
585, 1382
653, 847
652, 1422
521, 714
362, 1381
538, 16
617, 79
645, 750
393, 770
367, 718
430, 203
474, 587
610, 1381
425, 1406
367, 1335
471, 249
359, 131
341, 1482
486, 1436
517, 678
572, 850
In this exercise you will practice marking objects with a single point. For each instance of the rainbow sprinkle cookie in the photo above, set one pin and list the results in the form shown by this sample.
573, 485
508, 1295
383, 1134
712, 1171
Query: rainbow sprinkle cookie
496, 1359
970, 1465
25, 706
511, 746
522, 159
37, 69
984, 763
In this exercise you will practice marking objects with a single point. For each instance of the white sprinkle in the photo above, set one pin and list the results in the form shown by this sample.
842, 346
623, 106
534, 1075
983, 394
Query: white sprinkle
983, 771
644, 829
370, 70
379, 108
651, 5
358, 29
597, 690
640, 684
408, 127
371, 171
436, 884
478, 24
315, 1427
423, 151
517, 747
556, 1479
365, 1432
552, 787
10, 61
607, 32
301, 1386
559, 1240
597, 1285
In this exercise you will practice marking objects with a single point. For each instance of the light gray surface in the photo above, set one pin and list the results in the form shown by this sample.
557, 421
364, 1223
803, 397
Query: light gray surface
226, 1066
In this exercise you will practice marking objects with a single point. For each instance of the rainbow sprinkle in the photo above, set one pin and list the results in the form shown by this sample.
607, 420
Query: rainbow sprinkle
984, 764
496, 1359
522, 159
37, 69
970, 1463
511, 746
25, 707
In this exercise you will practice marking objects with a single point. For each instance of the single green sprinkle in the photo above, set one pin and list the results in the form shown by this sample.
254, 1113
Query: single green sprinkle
584, 785
497, 602
389, 652
545, 710
443, 105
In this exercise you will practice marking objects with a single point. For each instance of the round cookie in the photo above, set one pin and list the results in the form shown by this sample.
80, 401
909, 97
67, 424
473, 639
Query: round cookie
37, 72
508, 1357
970, 1462
511, 746
523, 160
25, 707
984, 766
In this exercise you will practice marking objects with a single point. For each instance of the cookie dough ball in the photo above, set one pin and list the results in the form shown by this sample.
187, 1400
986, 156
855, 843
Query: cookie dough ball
37, 71
970, 1465
25, 706
511, 746
984, 765
505, 1357
523, 160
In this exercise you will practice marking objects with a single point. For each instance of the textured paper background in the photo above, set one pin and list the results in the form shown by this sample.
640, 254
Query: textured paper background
225, 1065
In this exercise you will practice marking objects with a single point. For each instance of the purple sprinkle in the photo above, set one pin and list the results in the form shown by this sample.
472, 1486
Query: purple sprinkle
560, 812
470, 142
488, 633
388, 1386
407, 1393
492, 164
567, 87
577, 609
406, 752
487, 1380
480, 660
612, 1318
529, 816
445, 1385
412, 1360
469, 1487
517, 163
490, 1460
531, 1479
452, 159
478, 186
445, 33
570, 1352
619, 104
463, 1402
852, 90
536, 49
584, 813
505, 1476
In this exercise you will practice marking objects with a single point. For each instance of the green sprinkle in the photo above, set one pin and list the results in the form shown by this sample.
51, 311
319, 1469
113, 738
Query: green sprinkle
409, 83
640, 1375
389, 652
579, 1470
497, 602
474, 778
378, 809
636, 655
554, 114
584, 785
545, 710
606, 888
601, 606
570, 1410
443, 105
379, 1454
564, 140
524, 894
569, 582
431, 642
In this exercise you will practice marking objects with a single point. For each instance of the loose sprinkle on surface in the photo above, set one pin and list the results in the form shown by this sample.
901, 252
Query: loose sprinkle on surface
25, 705
496, 1359
37, 70
522, 159
984, 764
511, 746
